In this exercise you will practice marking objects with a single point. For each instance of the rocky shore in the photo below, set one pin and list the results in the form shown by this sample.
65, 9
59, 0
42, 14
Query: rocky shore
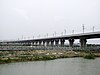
35, 55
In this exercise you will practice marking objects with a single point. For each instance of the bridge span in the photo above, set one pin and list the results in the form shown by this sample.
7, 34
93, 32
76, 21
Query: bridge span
58, 40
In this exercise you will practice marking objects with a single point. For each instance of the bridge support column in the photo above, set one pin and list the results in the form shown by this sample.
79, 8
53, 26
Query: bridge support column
32, 43
40, 43
71, 42
21, 44
83, 42
25, 43
29, 43
43, 43
56, 42
47, 43
36, 43
52, 42
62, 42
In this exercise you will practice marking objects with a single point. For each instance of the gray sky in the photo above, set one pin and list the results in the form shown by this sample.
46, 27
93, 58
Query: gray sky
33, 17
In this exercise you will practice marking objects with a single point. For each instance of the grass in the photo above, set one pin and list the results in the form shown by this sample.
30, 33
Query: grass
26, 58
38, 57
89, 56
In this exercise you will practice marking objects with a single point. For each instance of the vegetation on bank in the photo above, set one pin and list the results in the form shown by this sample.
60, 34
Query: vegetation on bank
25, 58
89, 56
33, 58
38, 55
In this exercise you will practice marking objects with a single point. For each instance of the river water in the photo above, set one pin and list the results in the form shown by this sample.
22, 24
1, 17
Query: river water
67, 66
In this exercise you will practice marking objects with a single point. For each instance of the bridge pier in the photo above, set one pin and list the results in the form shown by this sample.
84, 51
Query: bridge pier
36, 43
47, 43
32, 43
43, 43
23, 43
40, 43
62, 42
56, 42
83, 42
52, 42
71, 42
29, 44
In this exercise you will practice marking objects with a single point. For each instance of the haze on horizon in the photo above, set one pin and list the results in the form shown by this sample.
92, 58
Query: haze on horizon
31, 18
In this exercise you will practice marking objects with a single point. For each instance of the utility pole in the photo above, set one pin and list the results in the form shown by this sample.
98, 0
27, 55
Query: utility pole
62, 33
83, 28
33, 37
39, 36
22, 37
47, 34
72, 31
55, 33
93, 28
65, 31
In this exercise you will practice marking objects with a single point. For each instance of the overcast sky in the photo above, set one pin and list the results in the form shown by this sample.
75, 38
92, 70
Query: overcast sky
39, 17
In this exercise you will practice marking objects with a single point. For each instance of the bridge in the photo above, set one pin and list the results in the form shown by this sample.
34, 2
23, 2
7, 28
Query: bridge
58, 40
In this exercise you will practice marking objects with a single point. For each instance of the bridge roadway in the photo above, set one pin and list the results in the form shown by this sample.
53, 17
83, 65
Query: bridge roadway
58, 40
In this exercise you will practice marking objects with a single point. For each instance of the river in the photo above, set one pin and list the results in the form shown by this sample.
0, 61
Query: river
66, 66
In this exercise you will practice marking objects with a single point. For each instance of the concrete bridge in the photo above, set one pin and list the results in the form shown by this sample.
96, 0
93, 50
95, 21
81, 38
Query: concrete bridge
58, 40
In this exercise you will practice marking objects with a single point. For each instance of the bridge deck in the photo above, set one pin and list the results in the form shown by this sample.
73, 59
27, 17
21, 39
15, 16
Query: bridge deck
72, 36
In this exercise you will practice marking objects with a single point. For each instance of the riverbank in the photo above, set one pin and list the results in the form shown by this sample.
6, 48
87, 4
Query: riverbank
35, 55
